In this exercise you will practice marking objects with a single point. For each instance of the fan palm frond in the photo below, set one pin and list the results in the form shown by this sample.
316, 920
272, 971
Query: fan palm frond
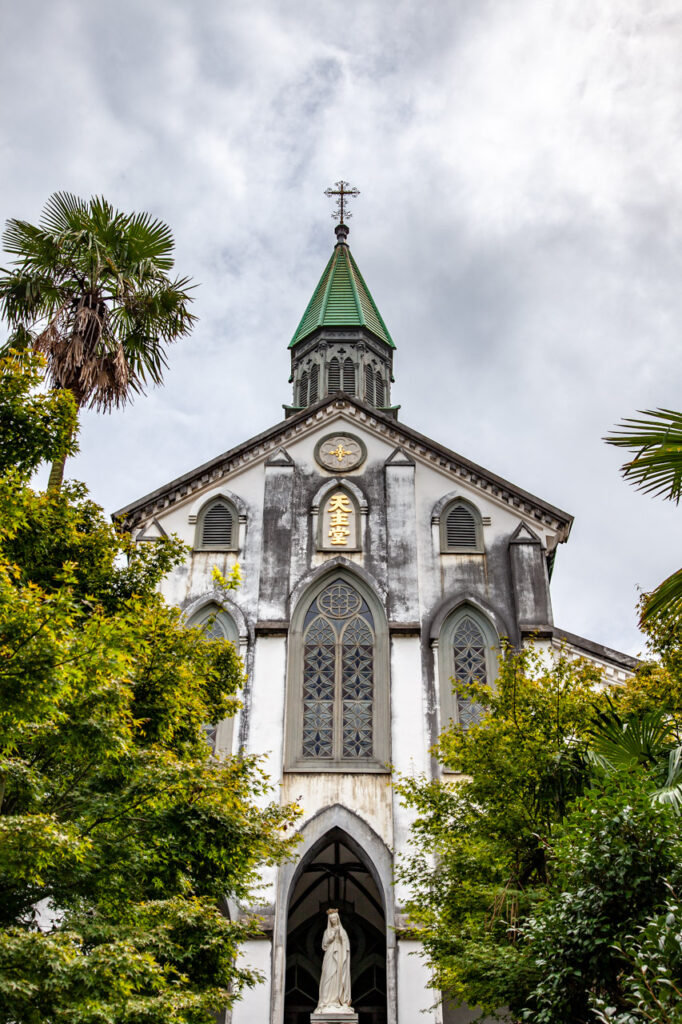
665, 599
671, 790
656, 441
62, 212
628, 742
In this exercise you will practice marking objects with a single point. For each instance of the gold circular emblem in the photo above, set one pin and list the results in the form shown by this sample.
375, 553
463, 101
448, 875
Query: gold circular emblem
340, 452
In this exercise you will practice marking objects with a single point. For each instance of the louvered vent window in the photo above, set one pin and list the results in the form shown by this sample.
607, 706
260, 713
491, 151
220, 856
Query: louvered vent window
369, 385
303, 390
334, 376
460, 528
349, 377
314, 384
380, 397
217, 524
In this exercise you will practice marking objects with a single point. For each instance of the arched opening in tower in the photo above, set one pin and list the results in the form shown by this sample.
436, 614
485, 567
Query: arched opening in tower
336, 875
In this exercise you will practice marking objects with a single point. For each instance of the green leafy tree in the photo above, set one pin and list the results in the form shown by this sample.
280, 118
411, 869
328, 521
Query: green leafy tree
121, 835
601, 942
89, 288
656, 441
613, 860
32, 427
546, 871
652, 972
482, 836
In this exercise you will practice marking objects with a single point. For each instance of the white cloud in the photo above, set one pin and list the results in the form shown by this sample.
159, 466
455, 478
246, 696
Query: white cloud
520, 165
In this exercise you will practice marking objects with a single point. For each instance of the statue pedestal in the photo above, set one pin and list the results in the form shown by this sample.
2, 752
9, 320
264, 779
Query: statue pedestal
334, 1017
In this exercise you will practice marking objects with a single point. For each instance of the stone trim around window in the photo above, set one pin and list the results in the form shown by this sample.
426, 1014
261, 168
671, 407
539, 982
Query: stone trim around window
294, 759
223, 625
470, 528
222, 510
352, 521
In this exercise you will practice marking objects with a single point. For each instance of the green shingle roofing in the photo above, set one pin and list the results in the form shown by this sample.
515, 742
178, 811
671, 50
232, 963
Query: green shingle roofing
341, 299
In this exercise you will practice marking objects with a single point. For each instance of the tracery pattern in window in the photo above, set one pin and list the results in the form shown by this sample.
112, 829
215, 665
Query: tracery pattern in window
470, 666
214, 630
338, 675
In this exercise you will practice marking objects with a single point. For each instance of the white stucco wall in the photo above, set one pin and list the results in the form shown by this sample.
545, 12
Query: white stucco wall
254, 1006
368, 796
415, 999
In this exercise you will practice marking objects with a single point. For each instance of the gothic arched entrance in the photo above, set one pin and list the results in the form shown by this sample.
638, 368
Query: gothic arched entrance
335, 874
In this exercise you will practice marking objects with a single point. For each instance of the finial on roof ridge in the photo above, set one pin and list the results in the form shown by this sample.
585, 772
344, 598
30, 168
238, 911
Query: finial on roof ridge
343, 192
341, 231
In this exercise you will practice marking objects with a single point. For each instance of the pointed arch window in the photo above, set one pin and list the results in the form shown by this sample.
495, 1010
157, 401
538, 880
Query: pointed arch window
314, 384
216, 624
469, 648
334, 376
217, 526
338, 697
470, 665
369, 385
338, 676
379, 392
461, 528
303, 389
339, 522
349, 376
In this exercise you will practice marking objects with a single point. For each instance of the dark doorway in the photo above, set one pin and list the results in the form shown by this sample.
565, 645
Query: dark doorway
336, 876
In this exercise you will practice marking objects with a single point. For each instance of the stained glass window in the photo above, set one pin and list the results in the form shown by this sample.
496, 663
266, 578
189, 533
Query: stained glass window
216, 624
470, 665
338, 675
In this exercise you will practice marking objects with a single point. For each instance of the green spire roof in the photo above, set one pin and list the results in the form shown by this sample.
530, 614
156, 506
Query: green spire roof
341, 299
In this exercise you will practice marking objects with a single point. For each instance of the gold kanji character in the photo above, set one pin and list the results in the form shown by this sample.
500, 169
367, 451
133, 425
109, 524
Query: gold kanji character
339, 520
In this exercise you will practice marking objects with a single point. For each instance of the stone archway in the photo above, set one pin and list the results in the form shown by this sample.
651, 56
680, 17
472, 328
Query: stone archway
335, 873
372, 851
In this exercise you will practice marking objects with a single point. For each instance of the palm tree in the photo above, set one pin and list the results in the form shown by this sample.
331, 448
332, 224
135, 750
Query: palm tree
655, 469
644, 742
89, 290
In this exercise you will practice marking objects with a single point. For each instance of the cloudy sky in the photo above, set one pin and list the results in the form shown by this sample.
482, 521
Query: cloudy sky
520, 163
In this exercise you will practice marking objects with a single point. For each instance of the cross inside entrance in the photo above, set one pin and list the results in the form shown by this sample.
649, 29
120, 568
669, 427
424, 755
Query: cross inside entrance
342, 192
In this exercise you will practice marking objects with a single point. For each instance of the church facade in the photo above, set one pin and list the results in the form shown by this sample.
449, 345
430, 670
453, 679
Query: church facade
378, 566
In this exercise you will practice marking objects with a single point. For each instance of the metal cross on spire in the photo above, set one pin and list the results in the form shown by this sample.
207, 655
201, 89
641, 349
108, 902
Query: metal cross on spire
342, 192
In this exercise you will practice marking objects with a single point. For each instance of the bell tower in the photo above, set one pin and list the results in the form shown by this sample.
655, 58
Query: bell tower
342, 343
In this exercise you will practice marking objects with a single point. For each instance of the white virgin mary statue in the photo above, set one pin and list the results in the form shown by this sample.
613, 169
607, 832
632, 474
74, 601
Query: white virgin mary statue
335, 979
